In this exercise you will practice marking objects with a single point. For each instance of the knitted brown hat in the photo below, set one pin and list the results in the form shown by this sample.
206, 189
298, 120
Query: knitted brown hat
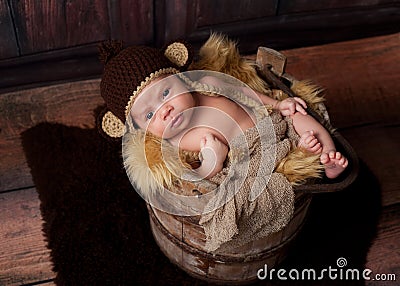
127, 72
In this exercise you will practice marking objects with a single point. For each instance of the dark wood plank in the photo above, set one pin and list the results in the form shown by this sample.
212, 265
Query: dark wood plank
52, 67
66, 23
209, 12
24, 257
132, 21
280, 31
8, 43
70, 104
294, 6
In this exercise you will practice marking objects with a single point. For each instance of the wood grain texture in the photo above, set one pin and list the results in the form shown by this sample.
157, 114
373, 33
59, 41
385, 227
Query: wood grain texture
70, 104
8, 43
47, 25
210, 12
182, 240
377, 146
278, 31
24, 257
48, 68
132, 21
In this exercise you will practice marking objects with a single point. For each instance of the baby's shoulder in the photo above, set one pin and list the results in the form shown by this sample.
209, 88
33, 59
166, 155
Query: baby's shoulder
209, 79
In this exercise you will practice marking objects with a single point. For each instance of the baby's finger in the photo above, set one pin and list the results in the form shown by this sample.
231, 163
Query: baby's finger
202, 143
300, 109
292, 107
208, 137
301, 101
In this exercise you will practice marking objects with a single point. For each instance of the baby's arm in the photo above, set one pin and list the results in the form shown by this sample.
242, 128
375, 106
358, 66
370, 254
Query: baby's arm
288, 106
213, 153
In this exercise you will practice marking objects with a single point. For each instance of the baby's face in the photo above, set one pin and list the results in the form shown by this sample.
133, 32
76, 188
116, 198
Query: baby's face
164, 107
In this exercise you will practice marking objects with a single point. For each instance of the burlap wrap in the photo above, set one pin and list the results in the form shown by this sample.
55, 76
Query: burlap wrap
241, 219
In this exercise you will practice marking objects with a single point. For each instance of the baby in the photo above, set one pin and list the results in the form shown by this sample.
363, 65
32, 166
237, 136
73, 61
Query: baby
143, 88
197, 122
137, 84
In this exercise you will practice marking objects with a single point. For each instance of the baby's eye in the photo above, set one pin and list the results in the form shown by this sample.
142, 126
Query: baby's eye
149, 115
165, 93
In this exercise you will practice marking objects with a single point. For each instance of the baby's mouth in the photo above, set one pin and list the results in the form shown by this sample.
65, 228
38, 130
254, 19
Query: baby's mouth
177, 120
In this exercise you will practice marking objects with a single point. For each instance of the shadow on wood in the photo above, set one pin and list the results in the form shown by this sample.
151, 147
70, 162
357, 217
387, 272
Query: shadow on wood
96, 225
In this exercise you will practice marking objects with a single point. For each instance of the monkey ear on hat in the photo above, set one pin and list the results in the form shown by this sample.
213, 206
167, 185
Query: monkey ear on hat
109, 125
180, 53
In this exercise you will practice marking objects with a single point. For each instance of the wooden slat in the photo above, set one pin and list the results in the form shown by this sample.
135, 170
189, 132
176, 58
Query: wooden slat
292, 30
78, 63
209, 11
128, 19
24, 257
70, 104
8, 43
66, 23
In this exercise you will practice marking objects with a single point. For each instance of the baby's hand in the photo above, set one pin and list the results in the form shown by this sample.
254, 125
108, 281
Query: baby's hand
214, 153
290, 105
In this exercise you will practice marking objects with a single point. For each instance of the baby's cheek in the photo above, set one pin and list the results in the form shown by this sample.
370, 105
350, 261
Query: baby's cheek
157, 129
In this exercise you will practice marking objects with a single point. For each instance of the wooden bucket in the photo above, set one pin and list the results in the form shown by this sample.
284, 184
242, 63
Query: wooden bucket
182, 240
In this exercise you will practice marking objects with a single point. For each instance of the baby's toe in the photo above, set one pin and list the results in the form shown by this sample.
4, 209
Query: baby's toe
338, 155
324, 158
343, 162
316, 148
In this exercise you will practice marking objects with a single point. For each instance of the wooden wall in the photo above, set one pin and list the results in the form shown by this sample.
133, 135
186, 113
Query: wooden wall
56, 40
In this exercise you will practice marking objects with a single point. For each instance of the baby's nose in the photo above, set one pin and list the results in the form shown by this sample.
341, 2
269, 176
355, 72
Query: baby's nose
165, 111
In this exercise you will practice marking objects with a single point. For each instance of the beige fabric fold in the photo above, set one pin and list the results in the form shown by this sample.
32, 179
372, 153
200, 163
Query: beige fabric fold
258, 201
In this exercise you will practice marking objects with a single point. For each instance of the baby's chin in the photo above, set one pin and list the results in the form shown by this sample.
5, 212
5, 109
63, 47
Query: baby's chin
171, 134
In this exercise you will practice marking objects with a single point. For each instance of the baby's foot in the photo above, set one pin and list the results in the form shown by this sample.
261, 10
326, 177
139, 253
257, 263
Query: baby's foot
309, 142
334, 163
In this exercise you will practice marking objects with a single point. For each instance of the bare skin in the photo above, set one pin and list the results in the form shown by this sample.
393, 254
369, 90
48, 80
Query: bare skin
334, 162
209, 129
